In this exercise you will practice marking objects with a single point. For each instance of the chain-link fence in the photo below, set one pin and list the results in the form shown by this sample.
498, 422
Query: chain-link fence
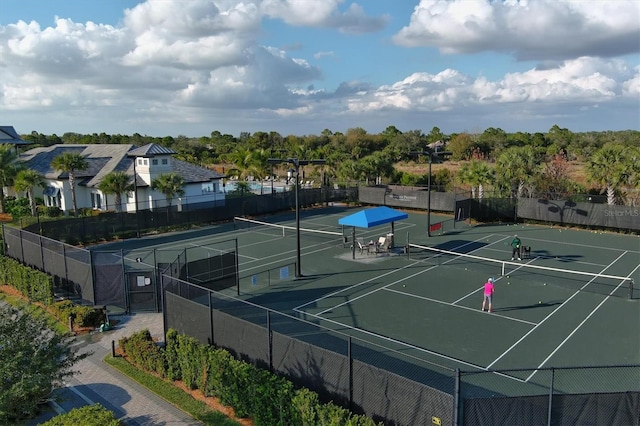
107, 225
385, 382
551, 396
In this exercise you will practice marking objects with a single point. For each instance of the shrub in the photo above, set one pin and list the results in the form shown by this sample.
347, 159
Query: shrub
87, 316
267, 398
90, 415
33, 284
144, 353
51, 211
17, 207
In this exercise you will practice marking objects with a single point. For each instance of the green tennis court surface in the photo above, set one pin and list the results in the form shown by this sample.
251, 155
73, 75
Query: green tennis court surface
425, 305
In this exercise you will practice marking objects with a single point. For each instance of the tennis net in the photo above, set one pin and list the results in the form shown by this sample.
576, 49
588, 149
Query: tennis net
601, 283
273, 229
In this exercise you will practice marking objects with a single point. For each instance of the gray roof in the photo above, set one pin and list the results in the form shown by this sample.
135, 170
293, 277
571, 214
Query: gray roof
9, 135
106, 158
151, 150
102, 159
192, 173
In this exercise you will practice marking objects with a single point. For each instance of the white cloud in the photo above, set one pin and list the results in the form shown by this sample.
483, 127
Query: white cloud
631, 87
324, 14
203, 63
319, 55
583, 80
540, 29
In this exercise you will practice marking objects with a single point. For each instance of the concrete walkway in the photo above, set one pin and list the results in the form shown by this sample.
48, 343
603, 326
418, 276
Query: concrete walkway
97, 382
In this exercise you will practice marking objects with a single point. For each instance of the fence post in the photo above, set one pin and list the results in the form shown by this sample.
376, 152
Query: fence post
350, 356
270, 340
553, 370
210, 297
456, 398
237, 266
21, 243
66, 269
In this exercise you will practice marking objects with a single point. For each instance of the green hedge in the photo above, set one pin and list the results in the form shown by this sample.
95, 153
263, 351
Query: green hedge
33, 284
252, 392
90, 415
38, 287
83, 316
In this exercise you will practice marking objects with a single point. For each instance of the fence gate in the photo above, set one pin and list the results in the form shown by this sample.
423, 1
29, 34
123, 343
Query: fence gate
142, 292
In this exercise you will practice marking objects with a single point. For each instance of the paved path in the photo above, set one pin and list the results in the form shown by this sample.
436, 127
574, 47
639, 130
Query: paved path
97, 382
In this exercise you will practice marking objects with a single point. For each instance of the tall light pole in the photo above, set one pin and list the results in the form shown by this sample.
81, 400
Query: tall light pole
431, 153
296, 163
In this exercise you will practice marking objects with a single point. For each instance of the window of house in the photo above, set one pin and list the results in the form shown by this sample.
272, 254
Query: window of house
154, 162
139, 161
96, 200
165, 161
207, 187
51, 196
145, 162
50, 201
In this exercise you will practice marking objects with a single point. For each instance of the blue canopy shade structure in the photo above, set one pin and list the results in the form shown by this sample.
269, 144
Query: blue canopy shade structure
373, 217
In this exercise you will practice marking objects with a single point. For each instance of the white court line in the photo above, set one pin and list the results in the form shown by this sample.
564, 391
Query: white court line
383, 275
399, 342
280, 260
564, 259
498, 279
562, 243
454, 305
581, 324
552, 313
376, 289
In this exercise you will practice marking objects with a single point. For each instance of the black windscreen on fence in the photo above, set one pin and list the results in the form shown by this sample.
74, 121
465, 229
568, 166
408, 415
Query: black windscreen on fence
380, 383
306, 353
109, 278
197, 324
12, 242
244, 339
588, 409
580, 213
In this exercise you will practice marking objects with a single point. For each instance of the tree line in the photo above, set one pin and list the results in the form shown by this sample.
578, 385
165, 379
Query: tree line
511, 164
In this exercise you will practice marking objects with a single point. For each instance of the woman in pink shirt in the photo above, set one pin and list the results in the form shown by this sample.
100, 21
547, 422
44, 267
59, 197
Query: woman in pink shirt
488, 294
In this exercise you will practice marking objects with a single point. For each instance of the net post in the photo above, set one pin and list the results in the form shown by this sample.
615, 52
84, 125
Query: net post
631, 289
503, 265
407, 247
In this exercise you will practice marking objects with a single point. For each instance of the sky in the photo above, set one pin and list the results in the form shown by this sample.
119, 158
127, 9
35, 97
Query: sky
299, 67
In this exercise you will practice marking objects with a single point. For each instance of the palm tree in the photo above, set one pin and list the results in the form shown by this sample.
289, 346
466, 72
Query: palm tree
609, 167
483, 175
246, 163
170, 184
116, 183
477, 174
9, 168
71, 162
517, 167
26, 180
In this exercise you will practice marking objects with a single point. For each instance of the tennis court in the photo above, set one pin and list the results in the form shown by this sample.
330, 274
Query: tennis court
567, 304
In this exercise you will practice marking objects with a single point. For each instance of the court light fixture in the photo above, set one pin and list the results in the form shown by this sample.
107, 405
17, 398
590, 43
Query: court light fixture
431, 154
296, 163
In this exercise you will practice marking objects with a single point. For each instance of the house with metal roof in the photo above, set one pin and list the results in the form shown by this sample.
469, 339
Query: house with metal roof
203, 187
9, 136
